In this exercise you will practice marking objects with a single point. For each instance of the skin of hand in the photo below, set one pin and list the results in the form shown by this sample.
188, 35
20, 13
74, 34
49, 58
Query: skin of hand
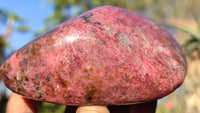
19, 104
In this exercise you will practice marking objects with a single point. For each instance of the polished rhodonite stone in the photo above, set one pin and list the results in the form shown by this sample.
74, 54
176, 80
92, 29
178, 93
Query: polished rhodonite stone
106, 56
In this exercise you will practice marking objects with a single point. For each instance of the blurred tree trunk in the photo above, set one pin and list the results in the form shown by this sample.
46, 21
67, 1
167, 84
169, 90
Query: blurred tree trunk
5, 36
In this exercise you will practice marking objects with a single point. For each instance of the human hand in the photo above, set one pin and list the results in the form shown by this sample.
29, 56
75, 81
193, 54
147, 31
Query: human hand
18, 104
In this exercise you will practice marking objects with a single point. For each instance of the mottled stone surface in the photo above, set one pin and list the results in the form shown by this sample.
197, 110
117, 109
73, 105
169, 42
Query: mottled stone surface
105, 56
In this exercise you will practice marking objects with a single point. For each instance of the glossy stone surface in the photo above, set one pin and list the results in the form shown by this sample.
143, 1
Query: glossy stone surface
105, 56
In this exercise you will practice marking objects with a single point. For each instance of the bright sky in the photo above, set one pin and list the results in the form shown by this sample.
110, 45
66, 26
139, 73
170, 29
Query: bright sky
33, 11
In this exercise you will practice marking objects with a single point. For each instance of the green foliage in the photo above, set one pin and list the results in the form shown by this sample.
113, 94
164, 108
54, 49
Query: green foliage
192, 27
16, 17
3, 15
23, 28
39, 32
46, 107
162, 109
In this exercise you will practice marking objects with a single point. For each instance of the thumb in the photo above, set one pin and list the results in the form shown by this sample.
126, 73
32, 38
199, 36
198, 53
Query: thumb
92, 109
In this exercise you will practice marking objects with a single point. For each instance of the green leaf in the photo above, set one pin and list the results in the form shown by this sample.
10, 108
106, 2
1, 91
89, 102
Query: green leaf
188, 26
3, 15
23, 28
16, 17
46, 107
192, 47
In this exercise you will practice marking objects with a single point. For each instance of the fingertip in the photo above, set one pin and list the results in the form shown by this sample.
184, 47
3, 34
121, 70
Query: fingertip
92, 109
19, 104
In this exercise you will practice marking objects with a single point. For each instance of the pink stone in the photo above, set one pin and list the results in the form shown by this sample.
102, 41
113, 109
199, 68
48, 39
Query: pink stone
106, 56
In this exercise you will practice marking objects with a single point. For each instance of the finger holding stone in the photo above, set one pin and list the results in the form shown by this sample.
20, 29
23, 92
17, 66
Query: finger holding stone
19, 104
92, 109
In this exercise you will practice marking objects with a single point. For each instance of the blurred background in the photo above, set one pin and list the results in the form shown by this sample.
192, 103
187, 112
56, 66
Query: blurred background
21, 21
